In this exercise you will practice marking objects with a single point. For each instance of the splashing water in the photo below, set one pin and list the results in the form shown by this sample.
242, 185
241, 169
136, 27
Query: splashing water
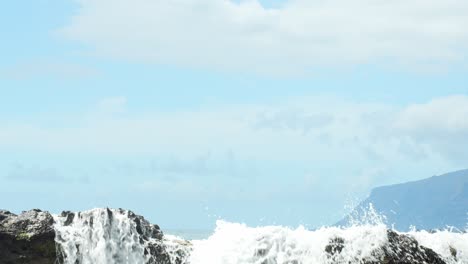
453, 247
97, 236
105, 236
234, 243
237, 243
366, 215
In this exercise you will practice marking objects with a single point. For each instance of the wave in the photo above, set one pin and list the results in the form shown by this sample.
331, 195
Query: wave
119, 236
234, 243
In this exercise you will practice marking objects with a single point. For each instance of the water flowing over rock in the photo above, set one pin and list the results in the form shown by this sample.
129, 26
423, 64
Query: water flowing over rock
104, 236
112, 236
117, 236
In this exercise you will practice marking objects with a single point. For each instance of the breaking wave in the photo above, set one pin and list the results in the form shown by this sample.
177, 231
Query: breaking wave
234, 243
119, 236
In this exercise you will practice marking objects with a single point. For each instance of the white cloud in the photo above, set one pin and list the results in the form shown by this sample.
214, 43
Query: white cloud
319, 129
443, 116
441, 124
296, 37
314, 127
223, 152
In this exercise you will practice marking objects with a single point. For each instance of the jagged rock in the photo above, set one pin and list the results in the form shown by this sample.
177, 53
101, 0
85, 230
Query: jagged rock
145, 228
403, 249
27, 238
158, 251
400, 249
172, 252
69, 215
5, 214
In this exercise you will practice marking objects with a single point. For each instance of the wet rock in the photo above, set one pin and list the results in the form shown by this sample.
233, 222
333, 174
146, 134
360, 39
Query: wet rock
159, 253
145, 228
335, 246
29, 238
69, 217
159, 249
453, 252
403, 249
400, 249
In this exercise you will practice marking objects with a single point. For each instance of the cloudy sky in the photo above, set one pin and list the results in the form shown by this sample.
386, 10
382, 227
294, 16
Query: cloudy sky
265, 112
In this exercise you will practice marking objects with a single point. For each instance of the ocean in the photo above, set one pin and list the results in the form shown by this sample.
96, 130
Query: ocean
190, 234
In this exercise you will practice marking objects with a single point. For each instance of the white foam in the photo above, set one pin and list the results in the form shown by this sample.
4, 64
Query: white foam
114, 240
238, 244
105, 241
234, 243
445, 243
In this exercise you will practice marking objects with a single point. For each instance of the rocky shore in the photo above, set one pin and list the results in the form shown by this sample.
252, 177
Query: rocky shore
30, 238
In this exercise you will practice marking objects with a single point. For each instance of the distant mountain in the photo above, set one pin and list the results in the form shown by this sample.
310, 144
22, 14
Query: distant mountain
432, 203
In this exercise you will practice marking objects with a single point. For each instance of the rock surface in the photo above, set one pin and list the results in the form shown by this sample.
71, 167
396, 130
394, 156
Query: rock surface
400, 249
27, 238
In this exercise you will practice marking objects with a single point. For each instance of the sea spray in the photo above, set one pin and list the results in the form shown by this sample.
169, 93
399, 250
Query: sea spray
452, 246
234, 243
238, 244
115, 236
109, 236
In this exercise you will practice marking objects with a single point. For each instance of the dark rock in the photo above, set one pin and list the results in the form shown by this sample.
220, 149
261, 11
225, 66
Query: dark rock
335, 246
400, 249
403, 249
152, 236
69, 215
454, 253
27, 238
145, 228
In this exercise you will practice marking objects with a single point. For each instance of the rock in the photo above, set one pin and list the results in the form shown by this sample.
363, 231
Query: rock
400, 249
5, 214
453, 252
30, 238
27, 238
145, 228
170, 252
174, 252
403, 249
335, 246
69, 215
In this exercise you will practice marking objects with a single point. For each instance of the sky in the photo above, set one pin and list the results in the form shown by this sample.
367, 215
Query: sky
262, 112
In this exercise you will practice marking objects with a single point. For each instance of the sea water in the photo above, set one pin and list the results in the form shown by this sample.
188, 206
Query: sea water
116, 241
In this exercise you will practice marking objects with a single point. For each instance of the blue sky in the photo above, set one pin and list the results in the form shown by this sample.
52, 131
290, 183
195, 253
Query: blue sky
262, 112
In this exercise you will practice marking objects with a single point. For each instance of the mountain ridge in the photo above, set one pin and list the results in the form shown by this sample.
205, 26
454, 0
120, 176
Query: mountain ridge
436, 202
